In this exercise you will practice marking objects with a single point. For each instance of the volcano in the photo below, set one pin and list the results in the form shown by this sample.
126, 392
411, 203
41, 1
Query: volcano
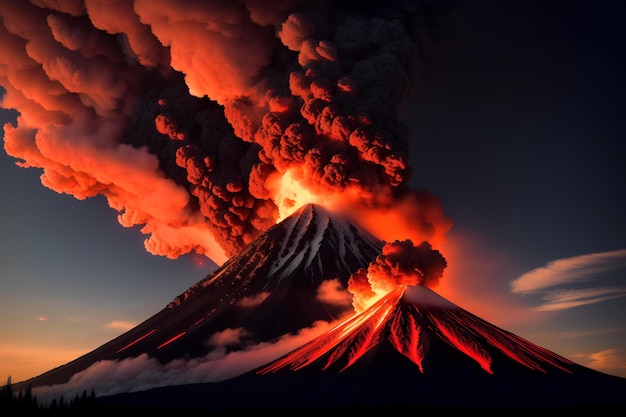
413, 350
270, 289
410, 349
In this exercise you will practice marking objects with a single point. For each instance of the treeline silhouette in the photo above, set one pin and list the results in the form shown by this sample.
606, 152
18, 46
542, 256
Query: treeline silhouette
25, 403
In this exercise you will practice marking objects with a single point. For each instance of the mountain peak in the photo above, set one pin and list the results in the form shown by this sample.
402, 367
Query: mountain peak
313, 242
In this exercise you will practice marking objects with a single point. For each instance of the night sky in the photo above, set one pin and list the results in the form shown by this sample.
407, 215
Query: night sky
516, 124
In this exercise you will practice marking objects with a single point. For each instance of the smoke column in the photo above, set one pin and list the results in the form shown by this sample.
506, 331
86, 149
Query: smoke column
205, 122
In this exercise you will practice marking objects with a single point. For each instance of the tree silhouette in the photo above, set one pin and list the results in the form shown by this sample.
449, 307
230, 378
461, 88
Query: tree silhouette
25, 403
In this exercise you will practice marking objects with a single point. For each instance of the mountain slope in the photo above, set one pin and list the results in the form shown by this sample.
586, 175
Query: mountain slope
428, 330
411, 350
268, 290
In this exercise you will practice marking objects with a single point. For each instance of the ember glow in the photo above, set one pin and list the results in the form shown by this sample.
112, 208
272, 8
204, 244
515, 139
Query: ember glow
401, 263
206, 124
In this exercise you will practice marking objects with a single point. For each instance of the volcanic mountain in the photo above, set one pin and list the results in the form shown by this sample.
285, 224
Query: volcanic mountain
270, 289
412, 348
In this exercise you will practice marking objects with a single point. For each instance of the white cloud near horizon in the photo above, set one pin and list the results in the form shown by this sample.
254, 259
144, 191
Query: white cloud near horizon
109, 377
569, 270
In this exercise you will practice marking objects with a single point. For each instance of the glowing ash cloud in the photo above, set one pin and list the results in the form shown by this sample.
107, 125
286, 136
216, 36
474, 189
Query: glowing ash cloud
401, 263
331, 292
206, 122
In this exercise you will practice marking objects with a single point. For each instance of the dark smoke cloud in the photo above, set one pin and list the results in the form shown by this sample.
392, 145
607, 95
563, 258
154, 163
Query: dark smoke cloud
185, 115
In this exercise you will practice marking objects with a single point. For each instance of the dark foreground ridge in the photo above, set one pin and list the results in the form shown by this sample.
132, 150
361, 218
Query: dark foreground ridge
382, 392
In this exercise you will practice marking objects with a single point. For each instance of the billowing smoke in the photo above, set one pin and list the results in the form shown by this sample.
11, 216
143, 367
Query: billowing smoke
401, 263
189, 117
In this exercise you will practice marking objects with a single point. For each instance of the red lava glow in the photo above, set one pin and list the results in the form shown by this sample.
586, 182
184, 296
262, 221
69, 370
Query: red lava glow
171, 340
411, 323
354, 337
136, 340
466, 346
407, 340
516, 348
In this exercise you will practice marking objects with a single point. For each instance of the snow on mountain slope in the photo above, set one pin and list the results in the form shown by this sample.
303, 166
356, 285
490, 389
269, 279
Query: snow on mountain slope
312, 242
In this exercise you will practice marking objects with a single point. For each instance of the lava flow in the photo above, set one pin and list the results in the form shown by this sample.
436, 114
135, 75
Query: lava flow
413, 319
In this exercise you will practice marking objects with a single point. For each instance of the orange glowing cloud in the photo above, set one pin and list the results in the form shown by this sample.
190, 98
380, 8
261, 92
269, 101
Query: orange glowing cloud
400, 264
608, 359
120, 325
332, 292
206, 123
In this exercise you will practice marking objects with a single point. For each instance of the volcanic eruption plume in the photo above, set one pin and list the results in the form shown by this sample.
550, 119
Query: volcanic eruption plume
401, 263
205, 122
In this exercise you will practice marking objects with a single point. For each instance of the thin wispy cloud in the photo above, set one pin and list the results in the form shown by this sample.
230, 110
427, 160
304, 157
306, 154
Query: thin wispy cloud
119, 325
608, 359
562, 300
569, 270
589, 333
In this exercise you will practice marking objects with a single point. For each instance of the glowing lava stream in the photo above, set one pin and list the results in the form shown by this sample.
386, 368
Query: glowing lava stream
136, 341
411, 318
363, 326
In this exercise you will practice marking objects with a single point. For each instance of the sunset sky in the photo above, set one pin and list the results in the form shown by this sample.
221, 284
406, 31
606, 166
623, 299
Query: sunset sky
515, 122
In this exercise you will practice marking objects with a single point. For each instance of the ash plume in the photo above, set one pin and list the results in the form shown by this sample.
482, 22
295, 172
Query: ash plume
400, 263
188, 117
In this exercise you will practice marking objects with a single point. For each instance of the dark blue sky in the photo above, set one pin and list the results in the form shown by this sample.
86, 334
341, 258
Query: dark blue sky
518, 126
